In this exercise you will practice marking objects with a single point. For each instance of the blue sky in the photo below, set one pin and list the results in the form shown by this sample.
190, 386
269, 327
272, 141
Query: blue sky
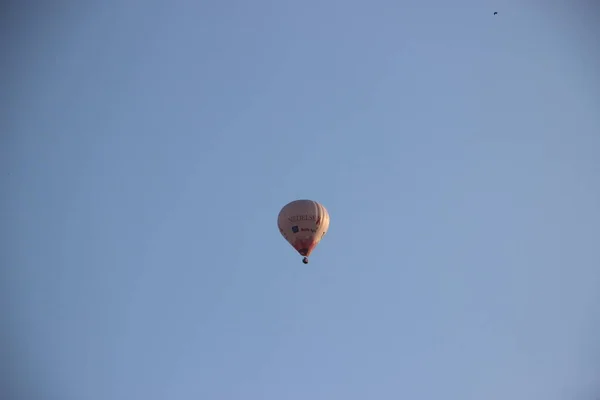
149, 146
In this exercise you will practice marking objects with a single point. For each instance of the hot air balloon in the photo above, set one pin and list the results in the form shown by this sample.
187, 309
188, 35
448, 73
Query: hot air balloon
303, 223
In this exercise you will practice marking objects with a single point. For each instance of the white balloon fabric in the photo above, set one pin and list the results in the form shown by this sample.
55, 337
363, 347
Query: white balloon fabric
303, 223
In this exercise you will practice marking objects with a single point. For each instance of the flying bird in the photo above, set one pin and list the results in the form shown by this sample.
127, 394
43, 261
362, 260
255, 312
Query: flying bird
495, 12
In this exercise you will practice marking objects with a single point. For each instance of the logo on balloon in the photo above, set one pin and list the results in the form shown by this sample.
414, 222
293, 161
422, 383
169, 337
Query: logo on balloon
295, 229
297, 218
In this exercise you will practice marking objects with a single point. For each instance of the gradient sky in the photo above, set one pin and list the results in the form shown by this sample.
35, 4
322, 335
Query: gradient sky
147, 148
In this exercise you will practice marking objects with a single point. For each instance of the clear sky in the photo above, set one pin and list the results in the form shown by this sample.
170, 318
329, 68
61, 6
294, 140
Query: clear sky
147, 148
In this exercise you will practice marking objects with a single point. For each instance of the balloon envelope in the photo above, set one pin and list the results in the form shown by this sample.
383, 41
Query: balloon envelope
303, 223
